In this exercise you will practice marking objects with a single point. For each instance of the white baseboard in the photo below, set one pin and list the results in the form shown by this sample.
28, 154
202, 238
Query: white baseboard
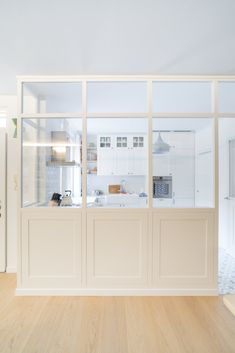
11, 269
114, 292
229, 302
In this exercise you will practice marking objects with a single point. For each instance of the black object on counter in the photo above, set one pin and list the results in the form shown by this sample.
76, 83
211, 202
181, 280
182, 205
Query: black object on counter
56, 197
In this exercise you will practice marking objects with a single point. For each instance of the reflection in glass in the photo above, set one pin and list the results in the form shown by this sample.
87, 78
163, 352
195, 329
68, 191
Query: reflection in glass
51, 156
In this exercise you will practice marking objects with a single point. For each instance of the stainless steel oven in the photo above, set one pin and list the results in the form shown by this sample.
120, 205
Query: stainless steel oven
162, 187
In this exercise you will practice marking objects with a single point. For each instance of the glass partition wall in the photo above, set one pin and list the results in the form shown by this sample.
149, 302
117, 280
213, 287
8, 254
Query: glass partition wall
226, 144
148, 144
183, 157
160, 148
51, 155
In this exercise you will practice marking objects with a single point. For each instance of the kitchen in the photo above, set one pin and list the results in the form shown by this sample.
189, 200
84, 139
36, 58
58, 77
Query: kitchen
117, 167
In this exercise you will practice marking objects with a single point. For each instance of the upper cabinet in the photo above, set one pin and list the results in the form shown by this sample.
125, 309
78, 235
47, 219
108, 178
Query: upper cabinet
121, 154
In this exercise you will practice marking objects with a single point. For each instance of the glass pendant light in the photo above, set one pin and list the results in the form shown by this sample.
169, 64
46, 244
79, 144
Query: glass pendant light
160, 146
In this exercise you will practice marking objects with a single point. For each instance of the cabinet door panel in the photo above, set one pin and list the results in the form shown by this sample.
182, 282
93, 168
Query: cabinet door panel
122, 161
183, 250
138, 155
105, 155
105, 166
117, 248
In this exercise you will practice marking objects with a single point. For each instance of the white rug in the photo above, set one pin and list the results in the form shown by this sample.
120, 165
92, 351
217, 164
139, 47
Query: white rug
226, 273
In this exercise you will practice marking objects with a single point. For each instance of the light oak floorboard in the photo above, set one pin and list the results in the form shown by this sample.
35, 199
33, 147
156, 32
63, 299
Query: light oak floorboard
113, 324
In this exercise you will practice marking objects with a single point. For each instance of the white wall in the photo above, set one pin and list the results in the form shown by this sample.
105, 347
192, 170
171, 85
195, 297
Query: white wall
204, 180
10, 103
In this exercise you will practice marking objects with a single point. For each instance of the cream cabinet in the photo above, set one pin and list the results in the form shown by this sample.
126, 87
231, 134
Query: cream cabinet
183, 251
117, 249
122, 154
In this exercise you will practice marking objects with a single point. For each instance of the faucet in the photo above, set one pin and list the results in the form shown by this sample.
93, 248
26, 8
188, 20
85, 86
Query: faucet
123, 186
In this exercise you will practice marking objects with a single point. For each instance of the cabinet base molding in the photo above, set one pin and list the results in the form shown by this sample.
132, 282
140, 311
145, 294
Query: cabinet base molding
114, 292
11, 270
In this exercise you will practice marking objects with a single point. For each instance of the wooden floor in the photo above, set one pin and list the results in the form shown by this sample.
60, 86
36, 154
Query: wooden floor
113, 324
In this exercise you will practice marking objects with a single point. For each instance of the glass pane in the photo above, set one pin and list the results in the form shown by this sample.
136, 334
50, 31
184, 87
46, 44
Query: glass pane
51, 157
227, 97
117, 172
117, 97
226, 184
227, 158
232, 168
52, 97
181, 97
182, 162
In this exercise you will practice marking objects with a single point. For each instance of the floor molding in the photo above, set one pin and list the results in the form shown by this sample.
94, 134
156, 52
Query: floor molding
114, 292
229, 302
11, 270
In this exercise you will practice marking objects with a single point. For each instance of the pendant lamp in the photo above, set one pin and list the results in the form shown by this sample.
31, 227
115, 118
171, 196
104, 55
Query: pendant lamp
160, 146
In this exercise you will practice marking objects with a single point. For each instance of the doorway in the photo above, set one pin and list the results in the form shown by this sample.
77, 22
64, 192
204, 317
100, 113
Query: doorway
2, 199
227, 206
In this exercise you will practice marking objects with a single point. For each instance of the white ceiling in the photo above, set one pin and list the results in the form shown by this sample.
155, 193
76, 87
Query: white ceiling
115, 37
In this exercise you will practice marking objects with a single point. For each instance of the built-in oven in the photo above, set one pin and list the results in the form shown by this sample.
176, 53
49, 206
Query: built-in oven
162, 187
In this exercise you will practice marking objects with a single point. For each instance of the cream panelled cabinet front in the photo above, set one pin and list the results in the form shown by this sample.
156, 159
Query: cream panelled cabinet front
122, 154
51, 248
184, 250
117, 250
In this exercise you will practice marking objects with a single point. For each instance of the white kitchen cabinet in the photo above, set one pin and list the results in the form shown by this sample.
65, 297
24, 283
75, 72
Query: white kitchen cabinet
105, 155
106, 163
122, 155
